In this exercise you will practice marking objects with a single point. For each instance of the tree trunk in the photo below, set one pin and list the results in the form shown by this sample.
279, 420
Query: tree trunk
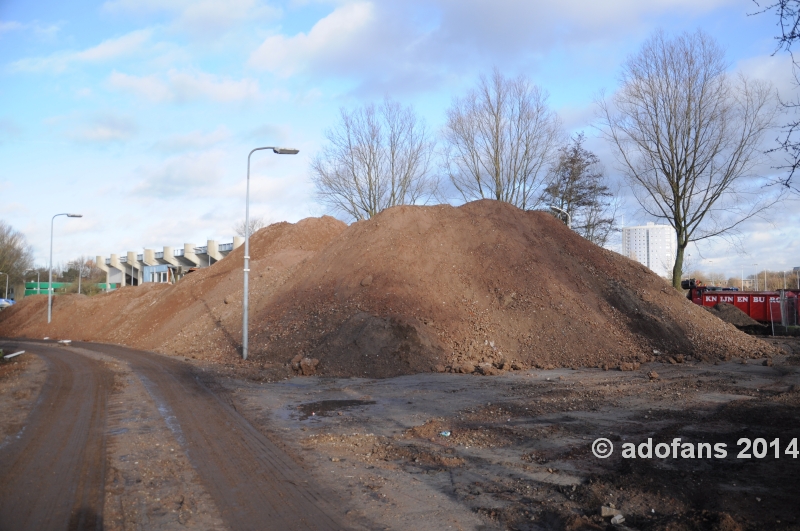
677, 269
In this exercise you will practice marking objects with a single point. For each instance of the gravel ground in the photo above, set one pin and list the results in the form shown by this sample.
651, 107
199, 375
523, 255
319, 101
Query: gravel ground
460, 451
518, 454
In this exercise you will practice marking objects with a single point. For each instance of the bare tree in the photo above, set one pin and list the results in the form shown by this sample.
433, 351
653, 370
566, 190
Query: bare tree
501, 139
376, 158
687, 137
15, 254
83, 274
577, 185
256, 224
788, 13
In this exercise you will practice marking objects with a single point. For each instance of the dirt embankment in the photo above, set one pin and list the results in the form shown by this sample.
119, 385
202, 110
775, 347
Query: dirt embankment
480, 287
201, 316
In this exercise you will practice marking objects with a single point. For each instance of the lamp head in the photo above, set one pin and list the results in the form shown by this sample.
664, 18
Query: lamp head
74, 215
285, 151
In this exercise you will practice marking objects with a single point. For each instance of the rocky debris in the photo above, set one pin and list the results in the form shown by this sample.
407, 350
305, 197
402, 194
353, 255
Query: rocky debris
308, 366
629, 366
726, 522
609, 511
465, 368
653, 375
366, 281
767, 362
304, 366
487, 369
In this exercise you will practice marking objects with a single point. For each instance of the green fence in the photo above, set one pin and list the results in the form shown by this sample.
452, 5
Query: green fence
36, 288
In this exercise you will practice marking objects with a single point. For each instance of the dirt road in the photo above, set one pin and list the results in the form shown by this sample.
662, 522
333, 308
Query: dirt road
54, 470
177, 443
53, 473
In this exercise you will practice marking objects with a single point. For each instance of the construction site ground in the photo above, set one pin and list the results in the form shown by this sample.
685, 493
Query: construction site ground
420, 451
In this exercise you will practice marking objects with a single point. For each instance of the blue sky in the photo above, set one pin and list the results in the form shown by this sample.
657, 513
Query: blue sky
139, 114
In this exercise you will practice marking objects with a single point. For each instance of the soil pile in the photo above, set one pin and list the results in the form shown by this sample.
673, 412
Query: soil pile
482, 287
200, 316
733, 315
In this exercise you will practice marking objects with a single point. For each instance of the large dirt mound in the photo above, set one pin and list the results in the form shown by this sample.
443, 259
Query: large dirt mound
201, 316
481, 283
413, 289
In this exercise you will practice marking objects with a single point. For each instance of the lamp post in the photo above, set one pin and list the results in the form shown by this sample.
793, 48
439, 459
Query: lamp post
277, 151
755, 277
6, 274
569, 218
50, 269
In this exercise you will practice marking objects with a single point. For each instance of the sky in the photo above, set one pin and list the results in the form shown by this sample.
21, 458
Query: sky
139, 114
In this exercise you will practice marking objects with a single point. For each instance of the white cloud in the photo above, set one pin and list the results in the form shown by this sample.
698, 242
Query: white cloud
182, 175
407, 45
193, 140
103, 52
270, 133
186, 86
190, 86
9, 130
215, 16
144, 6
332, 37
104, 128
9, 25
776, 69
38, 29
147, 87
200, 18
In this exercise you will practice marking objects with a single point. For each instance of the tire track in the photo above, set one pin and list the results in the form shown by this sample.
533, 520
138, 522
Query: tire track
53, 474
253, 482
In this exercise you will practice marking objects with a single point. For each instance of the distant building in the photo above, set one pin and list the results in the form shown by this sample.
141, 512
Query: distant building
163, 266
654, 246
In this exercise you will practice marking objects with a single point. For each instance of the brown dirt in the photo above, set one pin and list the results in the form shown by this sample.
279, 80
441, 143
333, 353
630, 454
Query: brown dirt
733, 315
18, 392
430, 450
415, 289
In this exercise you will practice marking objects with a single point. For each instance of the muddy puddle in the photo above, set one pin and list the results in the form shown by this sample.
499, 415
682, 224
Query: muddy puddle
327, 408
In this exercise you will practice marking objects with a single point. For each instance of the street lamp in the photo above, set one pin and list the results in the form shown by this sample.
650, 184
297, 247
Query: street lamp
80, 273
569, 218
6, 274
50, 269
277, 151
